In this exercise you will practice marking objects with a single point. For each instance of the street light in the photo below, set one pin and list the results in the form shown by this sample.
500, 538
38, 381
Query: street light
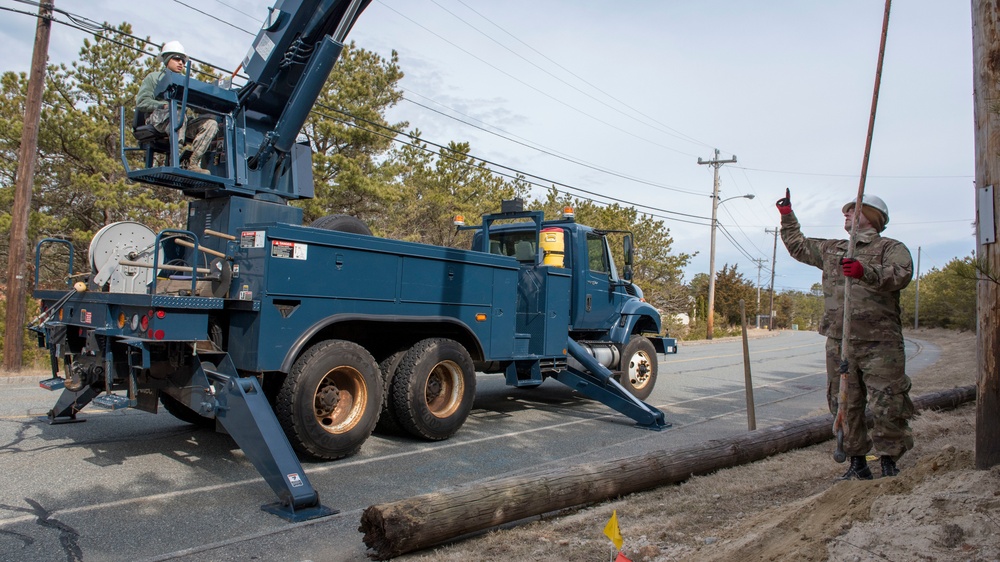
711, 260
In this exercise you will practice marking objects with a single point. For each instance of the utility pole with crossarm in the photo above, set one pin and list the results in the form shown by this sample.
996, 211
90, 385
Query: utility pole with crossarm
715, 163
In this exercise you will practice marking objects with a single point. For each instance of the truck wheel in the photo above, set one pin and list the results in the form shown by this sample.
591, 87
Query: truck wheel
330, 401
387, 422
433, 389
342, 223
180, 411
639, 367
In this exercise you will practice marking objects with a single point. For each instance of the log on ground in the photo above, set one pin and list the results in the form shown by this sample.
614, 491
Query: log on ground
419, 522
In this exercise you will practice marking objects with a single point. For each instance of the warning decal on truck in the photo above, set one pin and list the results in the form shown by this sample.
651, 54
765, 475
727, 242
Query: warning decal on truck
252, 239
290, 250
294, 480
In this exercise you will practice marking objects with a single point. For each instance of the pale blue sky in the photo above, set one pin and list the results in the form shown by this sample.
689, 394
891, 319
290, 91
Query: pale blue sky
640, 90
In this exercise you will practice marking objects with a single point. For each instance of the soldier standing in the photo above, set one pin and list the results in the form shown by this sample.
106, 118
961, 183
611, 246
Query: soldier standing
876, 376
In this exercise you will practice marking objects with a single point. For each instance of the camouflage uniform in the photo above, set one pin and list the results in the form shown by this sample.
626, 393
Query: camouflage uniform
876, 360
158, 115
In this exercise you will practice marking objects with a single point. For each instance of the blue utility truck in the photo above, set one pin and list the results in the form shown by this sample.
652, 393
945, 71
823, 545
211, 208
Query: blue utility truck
299, 340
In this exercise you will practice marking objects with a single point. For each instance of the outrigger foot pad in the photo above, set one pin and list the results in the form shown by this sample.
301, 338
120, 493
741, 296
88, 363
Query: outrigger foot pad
57, 420
289, 513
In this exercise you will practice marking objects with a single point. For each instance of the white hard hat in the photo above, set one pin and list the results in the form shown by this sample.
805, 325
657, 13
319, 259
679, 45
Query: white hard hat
170, 49
872, 201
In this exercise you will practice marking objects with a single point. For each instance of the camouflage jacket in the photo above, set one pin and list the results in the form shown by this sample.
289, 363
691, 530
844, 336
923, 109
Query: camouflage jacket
144, 100
888, 268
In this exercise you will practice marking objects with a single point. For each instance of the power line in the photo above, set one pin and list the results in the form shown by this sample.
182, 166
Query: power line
91, 27
729, 236
552, 183
668, 131
231, 7
526, 84
515, 170
220, 20
580, 78
728, 212
550, 152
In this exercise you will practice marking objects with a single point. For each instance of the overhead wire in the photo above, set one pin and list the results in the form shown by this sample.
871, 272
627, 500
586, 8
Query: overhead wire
550, 152
580, 78
594, 197
566, 187
231, 7
218, 19
668, 131
732, 239
652, 211
99, 27
88, 25
530, 86
548, 181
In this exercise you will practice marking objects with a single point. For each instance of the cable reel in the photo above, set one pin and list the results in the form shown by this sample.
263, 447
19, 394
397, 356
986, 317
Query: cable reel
128, 241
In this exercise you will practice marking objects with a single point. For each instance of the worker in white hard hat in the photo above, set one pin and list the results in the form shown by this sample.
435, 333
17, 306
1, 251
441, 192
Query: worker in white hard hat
157, 111
880, 268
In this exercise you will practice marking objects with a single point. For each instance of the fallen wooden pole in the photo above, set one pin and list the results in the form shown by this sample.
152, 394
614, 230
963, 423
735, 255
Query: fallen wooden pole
411, 524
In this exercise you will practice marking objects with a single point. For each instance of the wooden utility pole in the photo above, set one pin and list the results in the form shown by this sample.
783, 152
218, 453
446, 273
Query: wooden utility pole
17, 260
715, 163
916, 298
774, 263
760, 265
747, 377
986, 93
393, 529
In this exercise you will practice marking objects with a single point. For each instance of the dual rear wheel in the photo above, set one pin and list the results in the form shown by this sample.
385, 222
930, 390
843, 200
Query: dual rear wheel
335, 394
432, 389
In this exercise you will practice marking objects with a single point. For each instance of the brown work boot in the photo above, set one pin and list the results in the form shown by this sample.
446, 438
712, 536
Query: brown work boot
858, 470
198, 169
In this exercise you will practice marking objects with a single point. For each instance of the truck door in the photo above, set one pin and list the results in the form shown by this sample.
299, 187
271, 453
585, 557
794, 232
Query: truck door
600, 304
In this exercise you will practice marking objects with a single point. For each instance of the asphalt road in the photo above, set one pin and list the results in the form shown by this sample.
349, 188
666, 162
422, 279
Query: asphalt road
129, 485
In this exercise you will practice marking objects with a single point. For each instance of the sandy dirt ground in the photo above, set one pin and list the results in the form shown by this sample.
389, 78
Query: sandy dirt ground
790, 506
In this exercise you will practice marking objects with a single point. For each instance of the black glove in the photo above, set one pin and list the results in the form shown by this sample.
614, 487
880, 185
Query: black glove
785, 203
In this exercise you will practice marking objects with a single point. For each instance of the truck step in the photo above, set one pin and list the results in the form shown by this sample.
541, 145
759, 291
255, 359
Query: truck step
55, 383
112, 402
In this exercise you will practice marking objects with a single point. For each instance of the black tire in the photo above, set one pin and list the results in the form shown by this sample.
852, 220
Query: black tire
180, 411
387, 421
342, 223
433, 389
330, 401
639, 367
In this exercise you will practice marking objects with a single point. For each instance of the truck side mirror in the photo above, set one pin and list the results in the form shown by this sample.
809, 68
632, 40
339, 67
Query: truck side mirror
629, 257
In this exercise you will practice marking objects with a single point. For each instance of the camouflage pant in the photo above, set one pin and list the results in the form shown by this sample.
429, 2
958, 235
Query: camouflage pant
876, 378
205, 131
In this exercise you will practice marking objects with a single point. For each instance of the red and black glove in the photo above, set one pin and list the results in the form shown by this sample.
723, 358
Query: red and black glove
784, 204
852, 268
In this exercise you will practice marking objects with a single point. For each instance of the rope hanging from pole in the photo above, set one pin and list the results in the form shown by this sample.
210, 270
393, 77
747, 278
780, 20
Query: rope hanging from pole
840, 421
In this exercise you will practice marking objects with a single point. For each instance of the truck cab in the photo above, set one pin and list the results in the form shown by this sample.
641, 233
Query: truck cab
607, 314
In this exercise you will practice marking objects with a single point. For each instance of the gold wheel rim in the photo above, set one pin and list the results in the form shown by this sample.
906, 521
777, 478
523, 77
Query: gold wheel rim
443, 389
339, 400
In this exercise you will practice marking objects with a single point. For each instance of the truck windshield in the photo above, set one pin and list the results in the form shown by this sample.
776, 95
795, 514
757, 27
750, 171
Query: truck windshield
520, 245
